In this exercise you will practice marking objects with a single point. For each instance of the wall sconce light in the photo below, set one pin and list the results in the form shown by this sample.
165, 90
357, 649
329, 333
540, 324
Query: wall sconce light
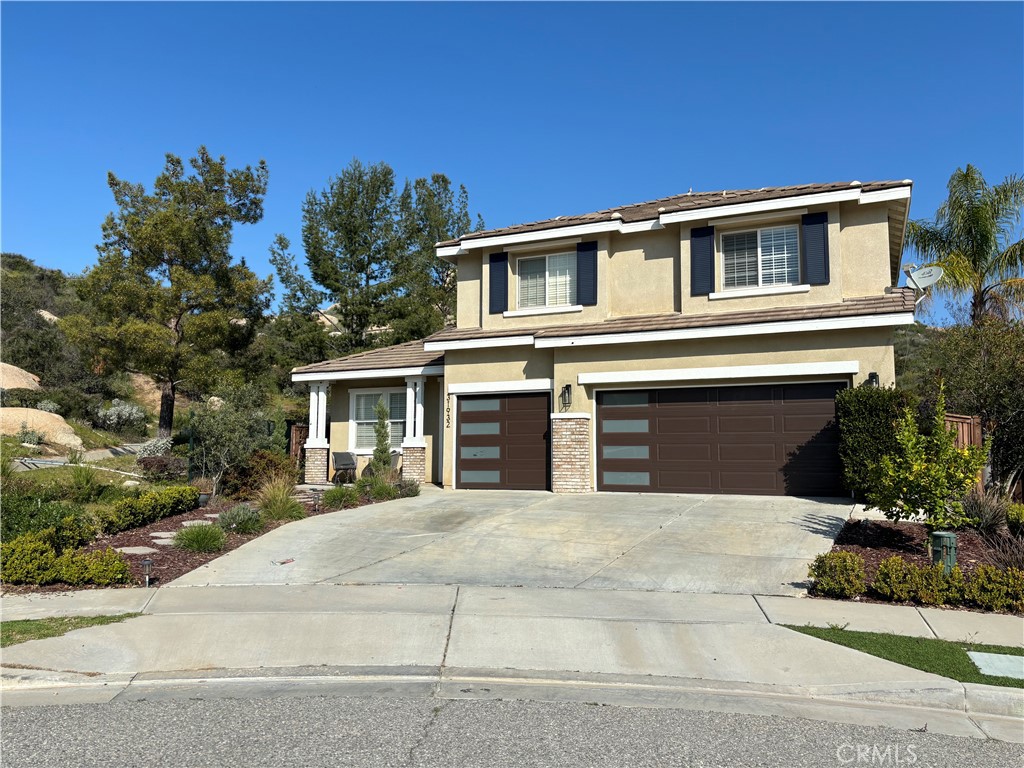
565, 397
147, 569
873, 379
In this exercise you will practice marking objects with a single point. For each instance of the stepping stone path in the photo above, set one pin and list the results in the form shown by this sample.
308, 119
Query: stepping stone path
191, 523
163, 538
137, 550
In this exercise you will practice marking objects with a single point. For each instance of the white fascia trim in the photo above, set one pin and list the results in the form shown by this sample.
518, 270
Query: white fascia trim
641, 226
739, 209
542, 246
543, 311
739, 293
570, 415
486, 343
370, 373
450, 250
494, 387
544, 234
751, 329
896, 193
723, 372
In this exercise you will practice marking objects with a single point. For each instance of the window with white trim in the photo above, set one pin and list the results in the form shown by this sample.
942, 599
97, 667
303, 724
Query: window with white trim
364, 419
761, 257
547, 281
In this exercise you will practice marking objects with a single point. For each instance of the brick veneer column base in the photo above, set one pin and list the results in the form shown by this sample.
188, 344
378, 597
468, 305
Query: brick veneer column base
316, 465
570, 455
414, 463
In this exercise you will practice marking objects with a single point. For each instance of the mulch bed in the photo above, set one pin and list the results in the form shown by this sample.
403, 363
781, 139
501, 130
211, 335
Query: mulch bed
169, 562
876, 540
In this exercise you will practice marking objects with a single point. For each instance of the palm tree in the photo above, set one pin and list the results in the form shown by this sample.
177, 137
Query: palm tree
970, 238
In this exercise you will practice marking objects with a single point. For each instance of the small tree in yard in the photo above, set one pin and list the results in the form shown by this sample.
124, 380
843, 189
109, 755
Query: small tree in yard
381, 461
928, 475
225, 435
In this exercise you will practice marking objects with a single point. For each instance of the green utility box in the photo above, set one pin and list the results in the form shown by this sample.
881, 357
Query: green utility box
944, 549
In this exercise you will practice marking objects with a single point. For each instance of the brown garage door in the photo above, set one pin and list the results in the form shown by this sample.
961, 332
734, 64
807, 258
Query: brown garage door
503, 442
778, 439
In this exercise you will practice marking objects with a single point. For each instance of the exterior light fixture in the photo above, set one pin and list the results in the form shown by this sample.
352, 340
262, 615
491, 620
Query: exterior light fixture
147, 569
873, 379
565, 397
317, 494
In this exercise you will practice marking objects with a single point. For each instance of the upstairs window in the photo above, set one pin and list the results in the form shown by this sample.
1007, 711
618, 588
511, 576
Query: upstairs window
547, 281
364, 419
761, 258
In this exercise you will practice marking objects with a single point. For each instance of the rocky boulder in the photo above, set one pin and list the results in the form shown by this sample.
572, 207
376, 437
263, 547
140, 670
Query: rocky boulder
13, 377
51, 426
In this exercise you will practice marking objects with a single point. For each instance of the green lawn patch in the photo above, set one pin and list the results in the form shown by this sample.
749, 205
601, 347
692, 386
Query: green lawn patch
14, 632
939, 657
94, 438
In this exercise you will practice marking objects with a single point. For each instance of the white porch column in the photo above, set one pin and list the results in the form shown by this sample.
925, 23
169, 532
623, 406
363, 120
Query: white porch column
317, 415
414, 386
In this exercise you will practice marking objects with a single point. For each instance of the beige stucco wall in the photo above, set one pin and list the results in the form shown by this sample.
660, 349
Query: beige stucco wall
643, 273
338, 414
864, 241
468, 290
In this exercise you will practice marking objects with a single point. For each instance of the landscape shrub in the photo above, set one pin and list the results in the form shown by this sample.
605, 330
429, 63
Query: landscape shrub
47, 406
866, 416
407, 487
1015, 519
838, 574
83, 485
158, 446
987, 509
200, 538
102, 568
18, 397
241, 518
927, 474
897, 580
23, 514
381, 489
27, 436
341, 497
27, 559
245, 480
276, 502
121, 417
157, 468
136, 511
1006, 551
936, 587
993, 589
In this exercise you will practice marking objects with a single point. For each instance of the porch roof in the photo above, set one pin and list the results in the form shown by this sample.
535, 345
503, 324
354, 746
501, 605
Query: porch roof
399, 357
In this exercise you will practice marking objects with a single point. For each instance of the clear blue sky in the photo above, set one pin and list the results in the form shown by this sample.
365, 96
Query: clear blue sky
540, 110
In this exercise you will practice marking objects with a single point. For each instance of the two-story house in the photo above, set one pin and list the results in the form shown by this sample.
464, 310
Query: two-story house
692, 344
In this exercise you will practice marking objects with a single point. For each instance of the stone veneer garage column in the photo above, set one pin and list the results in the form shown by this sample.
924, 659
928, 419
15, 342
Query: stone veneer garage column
570, 453
317, 447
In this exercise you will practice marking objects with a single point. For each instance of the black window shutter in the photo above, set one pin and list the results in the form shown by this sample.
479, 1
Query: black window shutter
499, 282
815, 253
586, 273
702, 261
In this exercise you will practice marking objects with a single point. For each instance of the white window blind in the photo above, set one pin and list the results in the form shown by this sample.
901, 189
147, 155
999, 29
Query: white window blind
761, 257
547, 281
365, 419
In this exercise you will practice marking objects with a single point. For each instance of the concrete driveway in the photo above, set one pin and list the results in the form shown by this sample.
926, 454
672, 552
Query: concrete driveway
676, 543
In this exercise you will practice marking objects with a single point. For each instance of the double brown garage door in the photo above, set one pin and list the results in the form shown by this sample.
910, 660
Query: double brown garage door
504, 441
779, 439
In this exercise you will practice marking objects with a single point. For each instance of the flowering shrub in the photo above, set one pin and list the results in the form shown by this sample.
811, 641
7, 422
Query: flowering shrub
121, 417
158, 446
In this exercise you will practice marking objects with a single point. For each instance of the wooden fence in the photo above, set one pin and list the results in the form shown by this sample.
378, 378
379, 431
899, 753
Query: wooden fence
968, 429
296, 439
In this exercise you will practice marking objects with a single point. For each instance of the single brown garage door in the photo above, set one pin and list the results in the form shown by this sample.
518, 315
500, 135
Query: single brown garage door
503, 442
766, 439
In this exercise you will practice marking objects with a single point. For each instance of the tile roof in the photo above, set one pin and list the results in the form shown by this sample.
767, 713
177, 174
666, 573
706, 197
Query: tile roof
689, 201
408, 355
898, 300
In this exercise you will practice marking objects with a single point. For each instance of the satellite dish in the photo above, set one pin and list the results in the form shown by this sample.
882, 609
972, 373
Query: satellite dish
924, 277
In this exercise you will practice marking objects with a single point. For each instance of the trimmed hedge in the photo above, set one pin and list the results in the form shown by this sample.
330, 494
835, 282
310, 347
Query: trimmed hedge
838, 574
867, 419
134, 512
32, 559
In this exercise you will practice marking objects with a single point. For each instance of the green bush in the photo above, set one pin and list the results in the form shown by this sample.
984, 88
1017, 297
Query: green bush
84, 485
245, 480
137, 511
380, 489
102, 568
838, 574
24, 514
341, 497
407, 488
276, 502
927, 474
241, 518
936, 587
993, 589
1015, 519
866, 417
986, 509
156, 468
200, 538
27, 559
897, 580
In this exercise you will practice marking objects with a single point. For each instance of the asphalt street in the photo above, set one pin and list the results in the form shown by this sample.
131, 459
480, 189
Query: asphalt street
319, 731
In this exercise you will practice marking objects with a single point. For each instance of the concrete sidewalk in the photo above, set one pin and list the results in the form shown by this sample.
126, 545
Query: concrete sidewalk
708, 651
